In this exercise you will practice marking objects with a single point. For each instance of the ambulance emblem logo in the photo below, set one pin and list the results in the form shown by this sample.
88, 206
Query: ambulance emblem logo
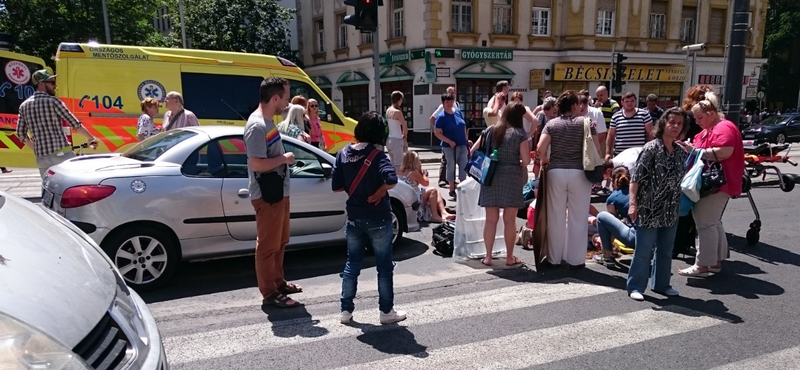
18, 72
152, 89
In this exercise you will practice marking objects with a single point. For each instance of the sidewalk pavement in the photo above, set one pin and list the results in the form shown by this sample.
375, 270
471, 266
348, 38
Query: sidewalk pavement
22, 182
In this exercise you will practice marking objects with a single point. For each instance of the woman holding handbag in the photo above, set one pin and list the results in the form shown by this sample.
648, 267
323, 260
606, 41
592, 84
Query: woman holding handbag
508, 138
719, 142
568, 190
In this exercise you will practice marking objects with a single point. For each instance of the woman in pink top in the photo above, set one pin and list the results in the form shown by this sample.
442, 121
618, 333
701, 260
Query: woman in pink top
317, 139
720, 141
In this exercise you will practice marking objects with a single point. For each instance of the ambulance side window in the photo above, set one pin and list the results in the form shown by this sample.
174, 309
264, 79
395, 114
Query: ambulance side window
219, 96
304, 89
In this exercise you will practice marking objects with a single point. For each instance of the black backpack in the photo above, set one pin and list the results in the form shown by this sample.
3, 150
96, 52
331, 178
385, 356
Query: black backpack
443, 239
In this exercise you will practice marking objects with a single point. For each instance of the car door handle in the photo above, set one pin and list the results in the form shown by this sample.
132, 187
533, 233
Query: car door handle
243, 193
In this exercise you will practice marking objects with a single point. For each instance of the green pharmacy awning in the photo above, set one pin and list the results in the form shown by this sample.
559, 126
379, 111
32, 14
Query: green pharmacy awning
485, 70
396, 73
322, 81
352, 78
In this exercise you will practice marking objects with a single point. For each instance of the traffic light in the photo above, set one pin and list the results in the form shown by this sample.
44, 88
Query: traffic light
365, 17
619, 73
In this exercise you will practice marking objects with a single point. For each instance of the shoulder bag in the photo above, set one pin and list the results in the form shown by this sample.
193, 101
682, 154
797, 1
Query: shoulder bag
480, 166
592, 163
713, 177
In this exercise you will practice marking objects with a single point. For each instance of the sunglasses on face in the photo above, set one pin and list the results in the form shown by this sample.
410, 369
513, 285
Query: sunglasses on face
313, 106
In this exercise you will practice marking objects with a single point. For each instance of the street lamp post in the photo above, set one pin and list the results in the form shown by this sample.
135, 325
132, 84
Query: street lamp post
105, 22
183, 23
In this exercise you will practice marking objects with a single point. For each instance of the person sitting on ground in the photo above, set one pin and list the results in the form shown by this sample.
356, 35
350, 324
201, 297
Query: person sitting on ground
615, 223
432, 207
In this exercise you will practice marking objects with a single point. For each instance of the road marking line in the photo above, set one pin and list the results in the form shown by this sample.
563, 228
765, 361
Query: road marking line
260, 337
552, 344
784, 359
225, 301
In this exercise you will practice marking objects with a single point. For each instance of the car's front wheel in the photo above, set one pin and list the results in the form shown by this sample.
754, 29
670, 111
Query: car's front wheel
780, 139
398, 222
145, 256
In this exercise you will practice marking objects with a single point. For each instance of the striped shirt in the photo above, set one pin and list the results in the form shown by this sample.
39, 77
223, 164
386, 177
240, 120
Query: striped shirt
41, 115
566, 142
630, 131
609, 108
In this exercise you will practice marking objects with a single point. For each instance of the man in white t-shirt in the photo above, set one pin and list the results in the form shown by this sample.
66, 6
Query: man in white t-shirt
494, 108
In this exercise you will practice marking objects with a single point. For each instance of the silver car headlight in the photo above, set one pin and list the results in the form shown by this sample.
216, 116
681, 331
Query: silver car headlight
126, 312
25, 347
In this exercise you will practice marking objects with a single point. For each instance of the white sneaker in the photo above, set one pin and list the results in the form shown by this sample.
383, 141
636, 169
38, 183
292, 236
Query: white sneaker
670, 292
636, 296
392, 317
345, 317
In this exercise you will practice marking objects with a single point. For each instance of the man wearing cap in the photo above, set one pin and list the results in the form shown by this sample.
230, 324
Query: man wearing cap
39, 123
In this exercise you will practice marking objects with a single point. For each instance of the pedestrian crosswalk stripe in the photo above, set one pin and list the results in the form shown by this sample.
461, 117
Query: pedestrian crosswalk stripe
554, 343
785, 359
259, 337
249, 297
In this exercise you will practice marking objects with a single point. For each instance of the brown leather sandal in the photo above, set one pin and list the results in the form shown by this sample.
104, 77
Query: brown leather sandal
278, 299
290, 288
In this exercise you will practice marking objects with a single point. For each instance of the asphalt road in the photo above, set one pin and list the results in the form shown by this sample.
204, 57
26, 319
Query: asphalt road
467, 316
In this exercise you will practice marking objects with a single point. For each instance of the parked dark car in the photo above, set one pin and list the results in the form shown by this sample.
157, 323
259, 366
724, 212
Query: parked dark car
775, 129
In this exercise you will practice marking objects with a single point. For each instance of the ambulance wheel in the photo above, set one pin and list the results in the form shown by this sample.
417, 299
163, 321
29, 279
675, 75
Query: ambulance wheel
752, 236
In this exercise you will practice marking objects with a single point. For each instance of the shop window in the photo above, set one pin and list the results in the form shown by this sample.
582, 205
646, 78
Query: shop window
462, 16
473, 96
540, 21
355, 100
220, 97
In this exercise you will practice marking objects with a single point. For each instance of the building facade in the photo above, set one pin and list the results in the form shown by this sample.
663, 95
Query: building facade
537, 45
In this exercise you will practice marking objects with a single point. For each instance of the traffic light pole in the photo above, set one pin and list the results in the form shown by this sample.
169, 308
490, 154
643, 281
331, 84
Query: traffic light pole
376, 64
734, 70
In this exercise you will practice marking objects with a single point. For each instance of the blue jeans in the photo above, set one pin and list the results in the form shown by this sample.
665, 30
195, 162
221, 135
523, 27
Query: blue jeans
456, 156
609, 226
661, 239
361, 234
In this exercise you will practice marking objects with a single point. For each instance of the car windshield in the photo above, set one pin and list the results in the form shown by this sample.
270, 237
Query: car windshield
152, 148
775, 120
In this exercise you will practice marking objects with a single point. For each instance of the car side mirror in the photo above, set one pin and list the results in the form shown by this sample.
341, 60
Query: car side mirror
327, 170
328, 110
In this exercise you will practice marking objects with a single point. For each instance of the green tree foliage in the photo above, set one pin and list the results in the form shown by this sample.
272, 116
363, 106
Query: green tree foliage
251, 26
38, 26
780, 47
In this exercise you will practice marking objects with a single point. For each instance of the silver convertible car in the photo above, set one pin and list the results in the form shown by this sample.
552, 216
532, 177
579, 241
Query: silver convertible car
183, 195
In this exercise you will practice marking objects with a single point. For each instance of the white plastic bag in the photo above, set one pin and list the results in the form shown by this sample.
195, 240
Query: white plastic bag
690, 185
470, 219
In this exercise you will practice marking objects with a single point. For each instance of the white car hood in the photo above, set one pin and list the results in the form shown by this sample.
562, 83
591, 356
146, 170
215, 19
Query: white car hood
50, 277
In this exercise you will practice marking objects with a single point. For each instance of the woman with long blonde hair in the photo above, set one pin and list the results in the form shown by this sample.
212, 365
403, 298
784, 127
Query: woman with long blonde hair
292, 124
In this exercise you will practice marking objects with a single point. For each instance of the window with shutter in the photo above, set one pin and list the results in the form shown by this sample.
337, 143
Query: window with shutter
716, 27
609, 5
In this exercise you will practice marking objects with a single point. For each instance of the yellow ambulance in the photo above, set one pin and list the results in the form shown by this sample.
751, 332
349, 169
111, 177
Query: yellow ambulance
15, 87
103, 86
